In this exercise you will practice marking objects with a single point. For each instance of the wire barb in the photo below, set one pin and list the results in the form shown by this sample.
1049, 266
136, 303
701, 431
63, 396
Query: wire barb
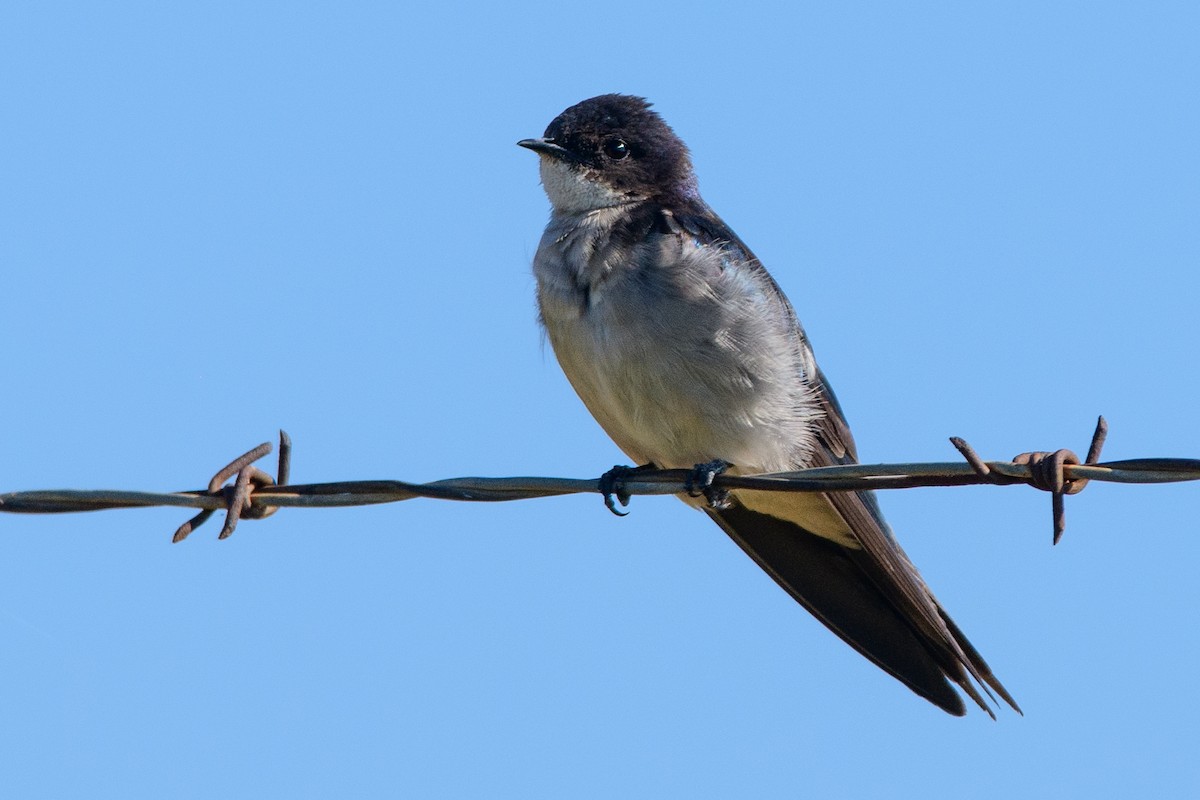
239, 498
1047, 471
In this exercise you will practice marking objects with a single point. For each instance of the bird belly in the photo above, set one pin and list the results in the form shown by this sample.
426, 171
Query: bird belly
659, 405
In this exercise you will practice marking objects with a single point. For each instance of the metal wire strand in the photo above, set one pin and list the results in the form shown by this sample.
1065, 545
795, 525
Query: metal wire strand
255, 495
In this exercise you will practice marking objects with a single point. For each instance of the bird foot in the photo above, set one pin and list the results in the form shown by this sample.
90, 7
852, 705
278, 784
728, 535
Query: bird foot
699, 482
612, 486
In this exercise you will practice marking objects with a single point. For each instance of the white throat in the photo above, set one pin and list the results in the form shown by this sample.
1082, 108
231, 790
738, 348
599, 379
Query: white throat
573, 190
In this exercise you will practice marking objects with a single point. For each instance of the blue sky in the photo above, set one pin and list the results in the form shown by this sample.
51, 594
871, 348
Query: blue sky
217, 220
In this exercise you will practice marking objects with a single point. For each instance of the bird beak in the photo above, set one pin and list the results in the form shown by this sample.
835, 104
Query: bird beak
547, 147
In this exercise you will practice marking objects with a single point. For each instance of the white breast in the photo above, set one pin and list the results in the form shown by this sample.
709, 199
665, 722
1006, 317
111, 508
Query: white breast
679, 366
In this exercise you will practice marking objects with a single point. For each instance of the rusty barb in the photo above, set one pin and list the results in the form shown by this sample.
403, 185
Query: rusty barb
255, 495
1046, 472
239, 503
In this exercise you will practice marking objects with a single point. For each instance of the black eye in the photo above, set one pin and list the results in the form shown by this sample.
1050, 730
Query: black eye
616, 149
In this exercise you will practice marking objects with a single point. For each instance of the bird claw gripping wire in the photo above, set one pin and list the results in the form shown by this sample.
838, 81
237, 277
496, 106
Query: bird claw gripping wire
1045, 471
612, 486
700, 482
238, 497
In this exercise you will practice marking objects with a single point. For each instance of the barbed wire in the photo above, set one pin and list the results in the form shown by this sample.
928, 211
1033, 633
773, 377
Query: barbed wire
254, 494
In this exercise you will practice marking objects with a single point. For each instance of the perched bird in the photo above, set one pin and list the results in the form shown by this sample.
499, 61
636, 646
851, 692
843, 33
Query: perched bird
689, 355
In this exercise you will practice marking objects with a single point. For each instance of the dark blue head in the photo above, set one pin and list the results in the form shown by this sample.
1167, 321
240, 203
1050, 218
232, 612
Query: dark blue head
618, 142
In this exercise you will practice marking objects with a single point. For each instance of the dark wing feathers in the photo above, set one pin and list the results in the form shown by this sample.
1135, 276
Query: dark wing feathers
873, 597
889, 569
825, 579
